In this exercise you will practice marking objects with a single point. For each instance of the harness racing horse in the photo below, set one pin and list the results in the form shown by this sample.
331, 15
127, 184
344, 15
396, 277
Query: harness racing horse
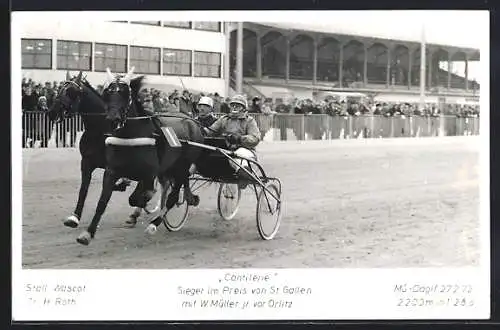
78, 96
138, 151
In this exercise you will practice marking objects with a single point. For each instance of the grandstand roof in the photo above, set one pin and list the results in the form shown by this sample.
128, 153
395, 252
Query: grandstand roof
464, 29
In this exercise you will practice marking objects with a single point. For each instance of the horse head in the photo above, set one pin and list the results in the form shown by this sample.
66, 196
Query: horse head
120, 94
67, 101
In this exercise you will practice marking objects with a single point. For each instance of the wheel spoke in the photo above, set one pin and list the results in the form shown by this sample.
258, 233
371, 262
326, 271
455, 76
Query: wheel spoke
268, 207
228, 199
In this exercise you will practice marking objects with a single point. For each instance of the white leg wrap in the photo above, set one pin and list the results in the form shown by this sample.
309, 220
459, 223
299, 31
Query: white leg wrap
73, 218
151, 229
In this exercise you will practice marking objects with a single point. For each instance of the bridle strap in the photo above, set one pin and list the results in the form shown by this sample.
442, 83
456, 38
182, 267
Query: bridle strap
129, 105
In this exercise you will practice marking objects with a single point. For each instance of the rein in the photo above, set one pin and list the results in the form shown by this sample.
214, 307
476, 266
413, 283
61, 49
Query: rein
189, 118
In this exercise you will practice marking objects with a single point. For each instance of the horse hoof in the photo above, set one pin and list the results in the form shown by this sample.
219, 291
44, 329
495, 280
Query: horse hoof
84, 238
130, 222
195, 201
151, 229
71, 221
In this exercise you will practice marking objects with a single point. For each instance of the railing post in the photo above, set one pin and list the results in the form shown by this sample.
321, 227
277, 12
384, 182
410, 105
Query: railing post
303, 129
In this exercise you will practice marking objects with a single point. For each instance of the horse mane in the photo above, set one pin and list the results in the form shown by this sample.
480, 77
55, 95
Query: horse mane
89, 86
135, 86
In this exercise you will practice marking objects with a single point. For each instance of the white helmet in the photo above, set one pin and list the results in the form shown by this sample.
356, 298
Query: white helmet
207, 101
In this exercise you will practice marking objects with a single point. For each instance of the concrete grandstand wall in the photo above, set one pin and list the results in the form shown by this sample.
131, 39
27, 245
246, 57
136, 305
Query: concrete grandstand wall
140, 35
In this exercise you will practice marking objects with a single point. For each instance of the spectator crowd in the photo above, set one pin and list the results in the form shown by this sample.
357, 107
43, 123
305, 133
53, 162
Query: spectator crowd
38, 97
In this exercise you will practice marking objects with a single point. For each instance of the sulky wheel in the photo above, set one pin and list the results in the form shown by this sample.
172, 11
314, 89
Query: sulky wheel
228, 200
154, 203
268, 211
177, 216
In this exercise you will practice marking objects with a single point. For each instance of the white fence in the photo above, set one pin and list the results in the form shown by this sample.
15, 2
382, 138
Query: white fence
38, 131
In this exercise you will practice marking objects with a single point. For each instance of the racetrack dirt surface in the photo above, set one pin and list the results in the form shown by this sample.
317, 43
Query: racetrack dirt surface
347, 203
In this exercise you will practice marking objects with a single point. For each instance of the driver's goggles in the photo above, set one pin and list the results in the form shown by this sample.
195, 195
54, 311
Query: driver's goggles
237, 106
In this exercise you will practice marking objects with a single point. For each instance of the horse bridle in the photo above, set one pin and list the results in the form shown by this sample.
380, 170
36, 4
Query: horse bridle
118, 82
64, 105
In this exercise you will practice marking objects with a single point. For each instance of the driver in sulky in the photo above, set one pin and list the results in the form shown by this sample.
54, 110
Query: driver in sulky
241, 131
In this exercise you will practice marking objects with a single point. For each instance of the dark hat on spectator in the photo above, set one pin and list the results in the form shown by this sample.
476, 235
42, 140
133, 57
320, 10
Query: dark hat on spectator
216, 94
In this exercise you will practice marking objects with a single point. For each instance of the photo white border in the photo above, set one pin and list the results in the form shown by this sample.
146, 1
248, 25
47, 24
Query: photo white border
354, 294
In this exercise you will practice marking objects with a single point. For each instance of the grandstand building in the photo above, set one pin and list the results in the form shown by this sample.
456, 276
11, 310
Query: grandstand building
280, 61
173, 55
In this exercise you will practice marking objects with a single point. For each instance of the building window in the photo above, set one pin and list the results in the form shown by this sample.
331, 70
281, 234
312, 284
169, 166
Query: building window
110, 56
156, 23
145, 59
177, 62
207, 64
36, 53
73, 55
183, 25
207, 26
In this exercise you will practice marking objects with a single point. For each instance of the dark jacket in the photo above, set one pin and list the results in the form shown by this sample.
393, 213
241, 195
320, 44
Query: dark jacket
207, 121
224, 108
30, 102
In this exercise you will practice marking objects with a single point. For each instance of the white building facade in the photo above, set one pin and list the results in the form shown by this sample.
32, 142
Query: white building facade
172, 55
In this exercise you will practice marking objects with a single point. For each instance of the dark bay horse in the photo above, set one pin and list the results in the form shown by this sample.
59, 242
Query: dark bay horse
138, 150
78, 96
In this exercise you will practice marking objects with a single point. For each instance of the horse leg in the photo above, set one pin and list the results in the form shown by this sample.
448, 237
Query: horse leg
86, 176
106, 192
172, 199
133, 199
183, 177
132, 218
139, 199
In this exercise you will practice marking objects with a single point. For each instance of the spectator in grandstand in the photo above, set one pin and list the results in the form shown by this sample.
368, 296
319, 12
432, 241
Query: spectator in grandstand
217, 103
170, 105
224, 107
50, 94
30, 99
156, 99
185, 103
255, 107
146, 100
176, 101
42, 104
267, 107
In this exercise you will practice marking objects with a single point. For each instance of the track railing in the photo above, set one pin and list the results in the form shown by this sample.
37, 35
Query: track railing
38, 131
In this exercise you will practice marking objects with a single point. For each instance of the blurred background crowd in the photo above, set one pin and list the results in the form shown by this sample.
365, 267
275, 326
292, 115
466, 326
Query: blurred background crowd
38, 96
